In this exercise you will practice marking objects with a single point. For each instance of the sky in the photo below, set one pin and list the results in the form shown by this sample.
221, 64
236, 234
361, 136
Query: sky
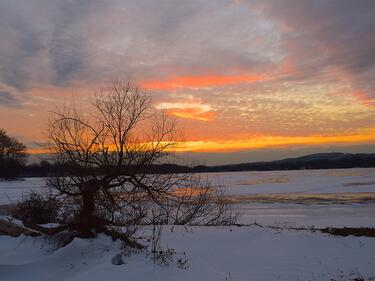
246, 80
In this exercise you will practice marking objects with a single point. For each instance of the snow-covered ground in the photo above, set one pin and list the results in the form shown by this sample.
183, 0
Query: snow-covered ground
352, 183
299, 181
212, 253
222, 253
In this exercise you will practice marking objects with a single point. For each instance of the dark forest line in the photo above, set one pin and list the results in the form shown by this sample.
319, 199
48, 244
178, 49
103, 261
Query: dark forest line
313, 161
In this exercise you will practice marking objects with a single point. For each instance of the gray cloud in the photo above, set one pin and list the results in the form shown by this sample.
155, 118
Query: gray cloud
328, 39
42, 42
55, 42
58, 42
19, 42
7, 99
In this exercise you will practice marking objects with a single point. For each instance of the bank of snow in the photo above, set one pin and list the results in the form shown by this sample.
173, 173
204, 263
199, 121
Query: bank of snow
213, 253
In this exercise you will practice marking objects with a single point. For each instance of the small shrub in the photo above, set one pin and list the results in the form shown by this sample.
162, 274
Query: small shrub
36, 208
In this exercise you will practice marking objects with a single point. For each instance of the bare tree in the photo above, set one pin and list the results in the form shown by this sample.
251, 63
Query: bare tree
195, 202
108, 154
12, 155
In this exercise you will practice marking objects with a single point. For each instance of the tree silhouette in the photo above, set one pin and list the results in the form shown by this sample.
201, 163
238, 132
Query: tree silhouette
12, 156
108, 153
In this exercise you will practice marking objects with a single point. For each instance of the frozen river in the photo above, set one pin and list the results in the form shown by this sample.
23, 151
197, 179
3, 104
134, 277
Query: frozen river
307, 197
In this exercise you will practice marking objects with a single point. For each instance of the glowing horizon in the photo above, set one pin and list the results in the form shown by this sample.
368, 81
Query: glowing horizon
258, 142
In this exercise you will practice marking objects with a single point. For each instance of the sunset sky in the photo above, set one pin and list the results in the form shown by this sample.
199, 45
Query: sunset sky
241, 77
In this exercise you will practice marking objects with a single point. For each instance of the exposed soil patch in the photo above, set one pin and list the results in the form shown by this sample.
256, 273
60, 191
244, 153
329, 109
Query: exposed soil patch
344, 231
305, 198
359, 184
347, 231
6, 209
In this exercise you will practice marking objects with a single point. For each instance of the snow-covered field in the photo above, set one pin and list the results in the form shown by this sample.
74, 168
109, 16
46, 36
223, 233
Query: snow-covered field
326, 187
299, 181
225, 253
212, 254
310, 197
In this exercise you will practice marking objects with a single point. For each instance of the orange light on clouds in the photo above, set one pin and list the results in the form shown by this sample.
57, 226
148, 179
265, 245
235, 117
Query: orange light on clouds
194, 110
202, 81
263, 142
364, 99
192, 113
272, 141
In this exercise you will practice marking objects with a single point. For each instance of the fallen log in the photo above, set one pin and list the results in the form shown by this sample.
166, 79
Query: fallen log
9, 228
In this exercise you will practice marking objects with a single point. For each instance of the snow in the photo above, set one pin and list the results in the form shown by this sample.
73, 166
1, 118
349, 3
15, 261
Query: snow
213, 253
244, 183
298, 181
320, 183
317, 215
221, 253
12, 190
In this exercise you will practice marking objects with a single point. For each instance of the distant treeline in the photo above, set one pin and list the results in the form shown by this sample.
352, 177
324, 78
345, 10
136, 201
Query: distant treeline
314, 161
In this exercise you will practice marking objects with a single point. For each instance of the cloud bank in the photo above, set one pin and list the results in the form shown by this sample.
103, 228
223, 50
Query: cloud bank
262, 68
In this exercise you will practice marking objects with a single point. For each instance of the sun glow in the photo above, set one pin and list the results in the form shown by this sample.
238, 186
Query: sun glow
271, 141
255, 143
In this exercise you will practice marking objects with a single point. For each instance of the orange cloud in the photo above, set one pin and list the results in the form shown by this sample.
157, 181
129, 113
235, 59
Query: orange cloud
273, 141
363, 98
192, 109
202, 81
288, 66
192, 113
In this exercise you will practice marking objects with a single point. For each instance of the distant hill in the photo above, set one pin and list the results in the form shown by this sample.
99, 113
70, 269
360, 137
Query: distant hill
313, 161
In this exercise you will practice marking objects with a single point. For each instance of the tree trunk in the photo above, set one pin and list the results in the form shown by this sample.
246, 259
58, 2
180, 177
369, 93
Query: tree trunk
87, 216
